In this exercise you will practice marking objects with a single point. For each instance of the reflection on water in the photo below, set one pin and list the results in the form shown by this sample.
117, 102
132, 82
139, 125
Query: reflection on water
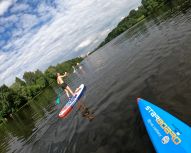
25, 122
152, 61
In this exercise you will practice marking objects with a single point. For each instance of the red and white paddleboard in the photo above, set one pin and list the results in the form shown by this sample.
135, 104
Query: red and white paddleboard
70, 104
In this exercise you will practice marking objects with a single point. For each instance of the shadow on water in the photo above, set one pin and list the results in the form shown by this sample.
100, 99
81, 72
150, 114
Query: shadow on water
151, 60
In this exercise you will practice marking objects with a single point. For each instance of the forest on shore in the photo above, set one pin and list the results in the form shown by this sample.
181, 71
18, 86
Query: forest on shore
148, 8
22, 90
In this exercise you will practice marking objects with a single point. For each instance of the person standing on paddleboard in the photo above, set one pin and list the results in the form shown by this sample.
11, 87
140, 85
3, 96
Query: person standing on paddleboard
63, 85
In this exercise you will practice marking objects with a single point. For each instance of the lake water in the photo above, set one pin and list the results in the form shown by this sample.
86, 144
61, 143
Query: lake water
152, 60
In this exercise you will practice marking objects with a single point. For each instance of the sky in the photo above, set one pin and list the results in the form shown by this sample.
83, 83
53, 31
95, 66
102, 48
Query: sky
35, 34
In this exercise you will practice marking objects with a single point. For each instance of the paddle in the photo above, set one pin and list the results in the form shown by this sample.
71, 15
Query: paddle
58, 97
58, 100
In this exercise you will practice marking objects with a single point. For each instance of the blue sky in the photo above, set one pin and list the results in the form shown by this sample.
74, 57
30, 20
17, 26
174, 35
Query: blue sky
35, 34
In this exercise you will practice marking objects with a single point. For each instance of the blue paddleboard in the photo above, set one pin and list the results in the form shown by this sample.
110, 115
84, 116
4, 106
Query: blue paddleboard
167, 133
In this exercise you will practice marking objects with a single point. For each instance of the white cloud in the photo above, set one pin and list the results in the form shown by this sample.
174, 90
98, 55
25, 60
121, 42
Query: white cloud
74, 28
105, 32
7, 20
84, 44
4, 5
122, 17
28, 21
2, 58
19, 8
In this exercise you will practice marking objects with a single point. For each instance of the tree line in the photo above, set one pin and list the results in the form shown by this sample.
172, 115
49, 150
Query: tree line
32, 83
148, 8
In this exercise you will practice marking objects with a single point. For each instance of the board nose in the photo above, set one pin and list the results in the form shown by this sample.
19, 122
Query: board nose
138, 100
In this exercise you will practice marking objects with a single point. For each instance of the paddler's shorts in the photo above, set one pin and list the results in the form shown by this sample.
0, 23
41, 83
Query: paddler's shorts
63, 86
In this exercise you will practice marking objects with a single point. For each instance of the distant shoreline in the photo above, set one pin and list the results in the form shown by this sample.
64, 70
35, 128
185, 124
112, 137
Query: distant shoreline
145, 10
13, 98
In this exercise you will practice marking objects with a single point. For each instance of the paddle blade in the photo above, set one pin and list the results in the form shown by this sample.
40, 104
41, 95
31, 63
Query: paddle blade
57, 100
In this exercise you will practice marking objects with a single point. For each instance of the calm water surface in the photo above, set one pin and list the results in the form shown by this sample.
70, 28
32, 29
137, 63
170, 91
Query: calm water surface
152, 61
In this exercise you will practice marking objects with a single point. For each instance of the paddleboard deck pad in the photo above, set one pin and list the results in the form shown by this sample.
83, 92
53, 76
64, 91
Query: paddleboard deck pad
167, 133
70, 104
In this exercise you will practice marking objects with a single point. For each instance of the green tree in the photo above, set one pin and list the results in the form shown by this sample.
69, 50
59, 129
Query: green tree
9, 100
152, 5
29, 78
20, 82
40, 79
19, 86
50, 74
